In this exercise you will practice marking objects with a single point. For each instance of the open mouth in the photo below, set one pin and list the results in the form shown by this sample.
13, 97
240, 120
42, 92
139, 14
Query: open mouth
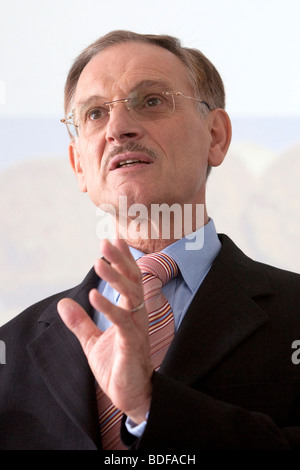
126, 161
130, 162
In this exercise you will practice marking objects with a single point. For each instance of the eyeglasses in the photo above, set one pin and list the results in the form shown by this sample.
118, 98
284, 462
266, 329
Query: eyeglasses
143, 105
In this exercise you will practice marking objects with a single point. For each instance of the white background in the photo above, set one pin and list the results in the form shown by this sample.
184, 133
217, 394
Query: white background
48, 229
255, 44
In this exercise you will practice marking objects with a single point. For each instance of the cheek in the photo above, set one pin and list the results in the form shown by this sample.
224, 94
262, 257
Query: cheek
190, 157
90, 157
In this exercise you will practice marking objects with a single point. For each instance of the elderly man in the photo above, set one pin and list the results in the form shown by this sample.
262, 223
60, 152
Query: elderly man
164, 345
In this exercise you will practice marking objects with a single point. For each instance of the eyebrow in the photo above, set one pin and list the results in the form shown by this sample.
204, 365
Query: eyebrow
86, 103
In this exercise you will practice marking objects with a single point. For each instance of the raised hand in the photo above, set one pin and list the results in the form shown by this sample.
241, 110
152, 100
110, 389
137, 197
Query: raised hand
119, 357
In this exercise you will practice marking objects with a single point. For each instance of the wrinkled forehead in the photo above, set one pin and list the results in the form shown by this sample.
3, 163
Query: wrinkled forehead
120, 68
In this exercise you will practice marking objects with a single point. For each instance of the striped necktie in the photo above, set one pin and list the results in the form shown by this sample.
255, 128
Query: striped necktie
157, 269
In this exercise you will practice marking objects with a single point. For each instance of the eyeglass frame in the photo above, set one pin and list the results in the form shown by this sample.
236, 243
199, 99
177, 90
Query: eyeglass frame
65, 120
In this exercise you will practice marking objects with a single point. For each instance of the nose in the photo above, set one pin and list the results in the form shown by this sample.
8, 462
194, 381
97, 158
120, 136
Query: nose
121, 126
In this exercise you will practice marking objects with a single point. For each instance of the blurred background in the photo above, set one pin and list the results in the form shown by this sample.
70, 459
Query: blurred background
48, 238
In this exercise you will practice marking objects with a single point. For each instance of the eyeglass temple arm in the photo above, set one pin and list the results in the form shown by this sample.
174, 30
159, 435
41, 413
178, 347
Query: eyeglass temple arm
67, 121
178, 93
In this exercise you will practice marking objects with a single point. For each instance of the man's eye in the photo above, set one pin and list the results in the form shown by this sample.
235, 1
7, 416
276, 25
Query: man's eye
153, 101
96, 114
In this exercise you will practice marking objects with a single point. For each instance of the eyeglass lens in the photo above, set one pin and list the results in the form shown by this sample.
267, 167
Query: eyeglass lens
143, 104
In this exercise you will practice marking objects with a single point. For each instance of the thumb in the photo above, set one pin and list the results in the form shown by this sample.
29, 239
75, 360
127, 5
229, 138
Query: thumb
79, 322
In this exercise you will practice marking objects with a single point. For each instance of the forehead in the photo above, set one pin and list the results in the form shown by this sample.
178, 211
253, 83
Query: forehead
119, 68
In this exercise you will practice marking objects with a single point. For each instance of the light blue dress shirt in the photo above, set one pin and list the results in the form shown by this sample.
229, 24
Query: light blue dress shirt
193, 264
193, 267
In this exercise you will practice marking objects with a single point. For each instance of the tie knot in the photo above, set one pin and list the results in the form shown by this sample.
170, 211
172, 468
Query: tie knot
159, 265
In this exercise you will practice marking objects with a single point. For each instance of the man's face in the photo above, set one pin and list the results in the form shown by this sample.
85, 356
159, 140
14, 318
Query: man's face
176, 148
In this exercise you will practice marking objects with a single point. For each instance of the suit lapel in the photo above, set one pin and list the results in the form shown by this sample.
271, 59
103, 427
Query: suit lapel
221, 316
63, 366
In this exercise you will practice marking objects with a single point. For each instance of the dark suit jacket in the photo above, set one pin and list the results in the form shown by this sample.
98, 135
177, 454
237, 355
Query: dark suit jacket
227, 381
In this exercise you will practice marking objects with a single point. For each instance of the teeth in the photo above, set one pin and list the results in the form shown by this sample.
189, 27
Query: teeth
129, 162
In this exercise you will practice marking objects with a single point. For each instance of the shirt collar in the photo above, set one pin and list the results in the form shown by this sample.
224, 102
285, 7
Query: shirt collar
193, 263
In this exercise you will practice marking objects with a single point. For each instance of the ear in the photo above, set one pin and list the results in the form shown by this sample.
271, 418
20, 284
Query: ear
220, 129
75, 161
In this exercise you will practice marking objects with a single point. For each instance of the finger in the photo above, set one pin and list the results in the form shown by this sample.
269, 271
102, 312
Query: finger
122, 317
120, 258
79, 322
122, 274
114, 313
131, 290
121, 244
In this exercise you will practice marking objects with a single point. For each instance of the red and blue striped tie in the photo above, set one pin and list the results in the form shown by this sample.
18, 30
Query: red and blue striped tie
157, 269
